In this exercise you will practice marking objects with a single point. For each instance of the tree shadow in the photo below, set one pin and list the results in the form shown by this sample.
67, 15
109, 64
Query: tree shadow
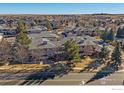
94, 65
40, 76
109, 69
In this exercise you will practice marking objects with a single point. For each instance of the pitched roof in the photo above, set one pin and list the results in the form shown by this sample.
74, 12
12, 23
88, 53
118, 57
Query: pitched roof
44, 34
41, 41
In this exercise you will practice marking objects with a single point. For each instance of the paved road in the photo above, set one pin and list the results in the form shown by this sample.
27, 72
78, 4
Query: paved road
68, 79
114, 79
80, 78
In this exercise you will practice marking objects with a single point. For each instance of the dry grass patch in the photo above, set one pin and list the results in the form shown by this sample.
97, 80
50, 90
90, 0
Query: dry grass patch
22, 67
84, 63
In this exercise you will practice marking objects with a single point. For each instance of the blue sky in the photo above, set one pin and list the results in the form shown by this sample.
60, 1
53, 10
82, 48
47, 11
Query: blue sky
61, 8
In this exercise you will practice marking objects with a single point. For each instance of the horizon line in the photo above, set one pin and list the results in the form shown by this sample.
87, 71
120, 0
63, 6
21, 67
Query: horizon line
61, 13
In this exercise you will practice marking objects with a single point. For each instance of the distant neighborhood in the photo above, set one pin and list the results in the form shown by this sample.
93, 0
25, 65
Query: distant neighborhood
82, 43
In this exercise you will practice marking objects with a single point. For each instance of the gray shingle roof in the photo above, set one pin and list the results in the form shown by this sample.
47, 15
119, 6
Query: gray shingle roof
43, 34
83, 40
39, 44
38, 39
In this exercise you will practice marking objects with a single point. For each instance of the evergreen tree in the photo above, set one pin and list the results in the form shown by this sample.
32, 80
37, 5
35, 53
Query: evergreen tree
108, 35
116, 56
120, 32
72, 51
105, 36
111, 35
104, 52
21, 27
22, 37
19, 49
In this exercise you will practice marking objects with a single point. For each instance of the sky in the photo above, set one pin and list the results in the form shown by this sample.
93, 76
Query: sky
61, 8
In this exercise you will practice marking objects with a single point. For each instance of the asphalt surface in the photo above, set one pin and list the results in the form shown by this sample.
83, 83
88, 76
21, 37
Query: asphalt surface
67, 79
81, 78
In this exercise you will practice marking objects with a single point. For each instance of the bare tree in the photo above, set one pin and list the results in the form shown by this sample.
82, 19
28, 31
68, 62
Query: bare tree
19, 53
4, 51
